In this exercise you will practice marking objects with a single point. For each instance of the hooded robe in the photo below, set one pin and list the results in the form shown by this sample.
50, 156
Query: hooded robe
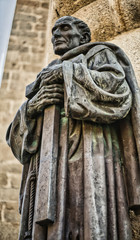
98, 168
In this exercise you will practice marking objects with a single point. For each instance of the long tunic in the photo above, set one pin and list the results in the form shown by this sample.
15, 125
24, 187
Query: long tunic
95, 128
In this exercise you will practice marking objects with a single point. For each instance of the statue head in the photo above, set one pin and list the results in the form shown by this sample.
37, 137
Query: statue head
68, 33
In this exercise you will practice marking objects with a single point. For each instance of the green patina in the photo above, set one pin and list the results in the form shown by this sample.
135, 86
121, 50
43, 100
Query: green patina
34, 143
64, 120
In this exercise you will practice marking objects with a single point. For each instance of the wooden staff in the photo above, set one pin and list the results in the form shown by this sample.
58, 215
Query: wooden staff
45, 207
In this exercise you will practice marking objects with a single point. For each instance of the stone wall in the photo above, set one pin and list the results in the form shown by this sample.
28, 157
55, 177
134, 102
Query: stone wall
25, 58
117, 21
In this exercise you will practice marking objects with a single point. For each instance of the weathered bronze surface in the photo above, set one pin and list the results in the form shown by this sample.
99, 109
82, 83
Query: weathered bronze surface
78, 137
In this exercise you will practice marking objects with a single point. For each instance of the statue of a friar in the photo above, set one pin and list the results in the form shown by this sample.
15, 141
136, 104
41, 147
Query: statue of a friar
78, 137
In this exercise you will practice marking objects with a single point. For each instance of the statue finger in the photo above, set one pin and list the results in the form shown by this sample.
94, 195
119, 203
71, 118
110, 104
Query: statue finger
56, 95
55, 85
47, 74
53, 95
53, 90
46, 81
55, 80
46, 90
51, 80
46, 96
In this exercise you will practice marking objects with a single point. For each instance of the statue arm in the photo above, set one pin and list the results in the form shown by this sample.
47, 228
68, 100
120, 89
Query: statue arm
97, 92
23, 135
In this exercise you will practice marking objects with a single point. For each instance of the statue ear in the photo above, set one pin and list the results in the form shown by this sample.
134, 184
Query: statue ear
84, 39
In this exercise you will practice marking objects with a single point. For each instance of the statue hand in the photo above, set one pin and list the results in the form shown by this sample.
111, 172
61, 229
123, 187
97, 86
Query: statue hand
47, 95
51, 76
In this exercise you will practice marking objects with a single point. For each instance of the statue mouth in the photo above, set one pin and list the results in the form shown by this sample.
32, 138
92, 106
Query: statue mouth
58, 42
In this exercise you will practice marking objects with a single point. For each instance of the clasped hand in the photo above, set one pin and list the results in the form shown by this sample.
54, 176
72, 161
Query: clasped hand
50, 91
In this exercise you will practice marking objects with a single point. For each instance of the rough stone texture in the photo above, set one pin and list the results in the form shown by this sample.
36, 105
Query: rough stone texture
68, 7
28, 54
8, 231
106, 20
130, 43
130, 13
11, 214
135, 220
122, 12
25, 58
102, 19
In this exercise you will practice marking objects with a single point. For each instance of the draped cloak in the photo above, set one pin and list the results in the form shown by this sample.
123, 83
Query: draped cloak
98, 167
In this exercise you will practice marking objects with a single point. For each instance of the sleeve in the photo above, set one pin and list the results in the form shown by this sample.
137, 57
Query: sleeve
23, 135
96, 91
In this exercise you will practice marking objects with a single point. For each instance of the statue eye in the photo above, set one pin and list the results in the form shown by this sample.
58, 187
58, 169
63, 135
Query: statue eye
65, 28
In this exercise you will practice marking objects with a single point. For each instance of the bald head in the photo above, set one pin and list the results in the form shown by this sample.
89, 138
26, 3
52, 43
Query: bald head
81, 26
68, 33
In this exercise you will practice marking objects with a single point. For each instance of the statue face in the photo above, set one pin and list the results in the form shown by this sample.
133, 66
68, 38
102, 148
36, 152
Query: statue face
65, 36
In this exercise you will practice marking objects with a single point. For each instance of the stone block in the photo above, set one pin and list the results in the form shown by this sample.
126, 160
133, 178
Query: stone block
30, 42
17, 48
24, 34
25, 26
4, 84
130, 43
11, 166
41, 11
9, 231
12, 55
40, 27
29, 3
23, 49
6, 153
13, 47
17, 88
23, 17
15, 75
15, 25
45, 5
130, 13
12, 65
102, 18
5, 75
9, 194
42, 19
37, 58
15, 180
37, 50
13, 40
43, 35
25, 58
6, 105
32, 68
21, 8
68, 7
11, 213
3, 179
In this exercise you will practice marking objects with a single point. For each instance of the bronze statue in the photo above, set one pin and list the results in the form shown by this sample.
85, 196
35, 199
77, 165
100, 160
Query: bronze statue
78, 137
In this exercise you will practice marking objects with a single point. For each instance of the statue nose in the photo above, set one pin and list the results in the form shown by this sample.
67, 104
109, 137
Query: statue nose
57, 33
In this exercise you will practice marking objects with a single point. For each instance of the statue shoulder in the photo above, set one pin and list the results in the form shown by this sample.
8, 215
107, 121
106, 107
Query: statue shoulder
97, 48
